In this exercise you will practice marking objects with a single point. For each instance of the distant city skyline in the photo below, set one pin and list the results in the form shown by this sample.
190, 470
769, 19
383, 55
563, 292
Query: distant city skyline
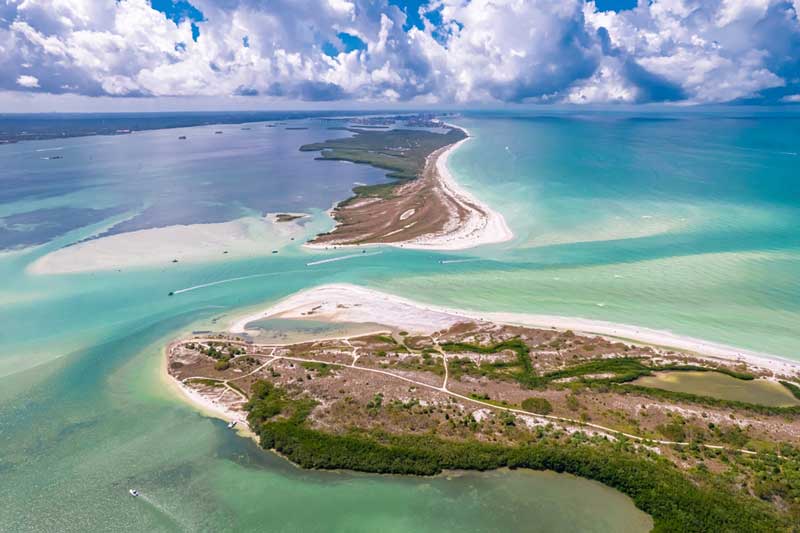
156, 55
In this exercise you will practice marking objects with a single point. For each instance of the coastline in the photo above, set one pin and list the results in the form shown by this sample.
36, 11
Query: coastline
203, 405
484, 225
469, 221
351, 303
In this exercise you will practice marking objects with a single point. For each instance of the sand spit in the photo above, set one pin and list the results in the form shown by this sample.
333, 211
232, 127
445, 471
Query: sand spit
350, 303
244, 237
432, 212
482, 224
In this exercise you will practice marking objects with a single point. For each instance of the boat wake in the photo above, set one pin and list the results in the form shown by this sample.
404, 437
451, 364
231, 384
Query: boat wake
231, 280
166, 512
341, 258
451, 261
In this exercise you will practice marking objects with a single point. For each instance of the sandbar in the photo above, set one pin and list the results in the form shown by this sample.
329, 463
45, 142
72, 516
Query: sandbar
244, 237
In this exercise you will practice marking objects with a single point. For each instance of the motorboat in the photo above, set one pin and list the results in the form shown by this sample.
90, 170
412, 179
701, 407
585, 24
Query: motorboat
231, 424
133, 492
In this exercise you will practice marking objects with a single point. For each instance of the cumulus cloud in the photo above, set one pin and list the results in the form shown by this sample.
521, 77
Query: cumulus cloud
462, 50
712, 50
31, 82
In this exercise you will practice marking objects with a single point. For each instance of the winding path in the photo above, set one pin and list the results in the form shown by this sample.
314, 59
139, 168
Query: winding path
444, 389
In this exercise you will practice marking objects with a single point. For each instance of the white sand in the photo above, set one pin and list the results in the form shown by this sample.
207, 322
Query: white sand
484, 225
350, 303
244, 237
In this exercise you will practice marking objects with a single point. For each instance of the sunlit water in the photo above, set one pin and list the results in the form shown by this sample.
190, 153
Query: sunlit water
688, 225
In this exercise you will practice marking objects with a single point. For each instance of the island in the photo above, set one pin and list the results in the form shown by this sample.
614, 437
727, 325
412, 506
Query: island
418, 390
422, 207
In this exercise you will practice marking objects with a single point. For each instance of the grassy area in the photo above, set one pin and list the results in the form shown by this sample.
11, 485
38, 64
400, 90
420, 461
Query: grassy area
614, 371
703, 400
794, 389
674, 500
206, 382
401, 152
322, 369
623, 369
520, 370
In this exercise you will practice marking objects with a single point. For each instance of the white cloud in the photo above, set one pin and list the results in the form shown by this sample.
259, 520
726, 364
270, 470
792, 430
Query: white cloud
30, 82
713, 50
483, 50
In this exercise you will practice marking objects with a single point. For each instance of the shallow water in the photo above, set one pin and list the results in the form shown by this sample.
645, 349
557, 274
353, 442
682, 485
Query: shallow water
716, 385
290, 331
689, 226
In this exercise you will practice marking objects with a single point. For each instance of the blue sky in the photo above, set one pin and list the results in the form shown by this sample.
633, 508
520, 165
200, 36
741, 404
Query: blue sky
258, 53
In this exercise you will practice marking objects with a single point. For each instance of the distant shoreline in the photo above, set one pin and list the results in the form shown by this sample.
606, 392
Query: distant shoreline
15, 128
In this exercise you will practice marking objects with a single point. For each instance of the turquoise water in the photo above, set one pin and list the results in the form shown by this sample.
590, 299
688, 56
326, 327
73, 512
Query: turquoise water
687, 224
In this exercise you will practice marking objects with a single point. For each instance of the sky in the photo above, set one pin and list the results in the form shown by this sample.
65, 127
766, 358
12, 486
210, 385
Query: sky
82, 55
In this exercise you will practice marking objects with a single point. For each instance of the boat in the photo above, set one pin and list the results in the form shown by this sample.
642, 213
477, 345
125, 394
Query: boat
171, 293
133, 492
231, 424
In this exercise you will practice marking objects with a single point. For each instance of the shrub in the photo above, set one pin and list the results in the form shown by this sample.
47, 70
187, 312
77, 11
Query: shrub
537, 405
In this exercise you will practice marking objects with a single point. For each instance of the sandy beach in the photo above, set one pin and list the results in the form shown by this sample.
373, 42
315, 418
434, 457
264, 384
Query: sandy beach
483, 225
351, 303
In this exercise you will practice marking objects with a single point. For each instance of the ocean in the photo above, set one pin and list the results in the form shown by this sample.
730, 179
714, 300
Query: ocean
677, 221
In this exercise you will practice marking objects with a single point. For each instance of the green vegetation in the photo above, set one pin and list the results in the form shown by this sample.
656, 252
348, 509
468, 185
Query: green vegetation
794, 389
624, 369
523, 371
206, 382
675, 502
267, 402
222, 353
425, 363
401, 152
322, 369
537, 405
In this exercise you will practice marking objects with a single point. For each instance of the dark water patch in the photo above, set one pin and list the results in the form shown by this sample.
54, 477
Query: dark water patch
43, 225
204, 178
